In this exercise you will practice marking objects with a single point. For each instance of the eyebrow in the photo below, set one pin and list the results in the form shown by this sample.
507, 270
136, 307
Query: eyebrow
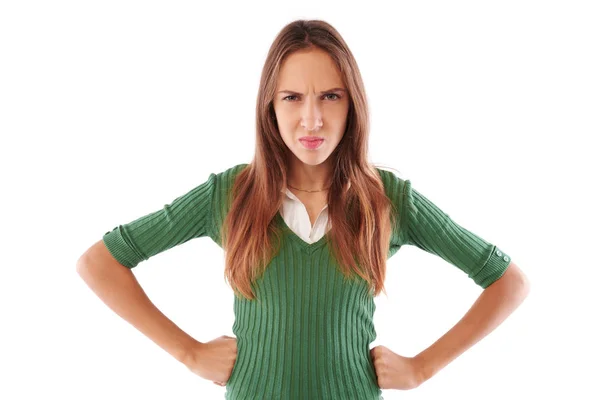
325, 91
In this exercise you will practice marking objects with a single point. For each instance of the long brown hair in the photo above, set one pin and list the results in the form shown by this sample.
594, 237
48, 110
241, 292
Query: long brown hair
358, 207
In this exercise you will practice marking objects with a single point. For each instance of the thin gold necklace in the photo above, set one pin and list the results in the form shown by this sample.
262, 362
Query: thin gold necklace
308, 190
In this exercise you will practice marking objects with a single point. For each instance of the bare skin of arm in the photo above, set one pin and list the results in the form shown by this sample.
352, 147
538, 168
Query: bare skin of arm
118, 288
490, 309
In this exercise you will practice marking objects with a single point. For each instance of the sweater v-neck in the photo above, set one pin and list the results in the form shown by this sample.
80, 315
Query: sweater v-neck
309, 333
305, 246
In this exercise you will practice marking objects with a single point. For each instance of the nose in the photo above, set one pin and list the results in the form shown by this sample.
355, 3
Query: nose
311, 118
315, 126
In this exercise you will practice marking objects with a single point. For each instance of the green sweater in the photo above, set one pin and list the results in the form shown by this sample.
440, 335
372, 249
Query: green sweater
309, 336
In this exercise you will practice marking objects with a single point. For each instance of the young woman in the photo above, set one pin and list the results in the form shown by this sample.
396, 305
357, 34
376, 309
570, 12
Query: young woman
306, 229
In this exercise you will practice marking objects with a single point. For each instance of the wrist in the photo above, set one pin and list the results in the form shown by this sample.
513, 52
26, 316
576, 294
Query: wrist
423, 368
189, 352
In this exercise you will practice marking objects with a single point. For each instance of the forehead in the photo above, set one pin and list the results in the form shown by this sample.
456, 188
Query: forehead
313, 67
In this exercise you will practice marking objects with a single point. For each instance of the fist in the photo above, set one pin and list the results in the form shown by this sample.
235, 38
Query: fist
395, 371
214, 360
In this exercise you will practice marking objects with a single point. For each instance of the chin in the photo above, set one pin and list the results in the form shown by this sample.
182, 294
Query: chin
312, 163
312, 159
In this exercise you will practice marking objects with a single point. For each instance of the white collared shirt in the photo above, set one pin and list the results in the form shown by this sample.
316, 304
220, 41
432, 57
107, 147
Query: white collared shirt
296, 218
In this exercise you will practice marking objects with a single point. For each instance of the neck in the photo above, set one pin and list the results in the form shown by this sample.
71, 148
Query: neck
309, 177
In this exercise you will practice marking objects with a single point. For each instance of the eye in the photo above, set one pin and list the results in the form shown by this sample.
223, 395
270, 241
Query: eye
333, 94
328, 94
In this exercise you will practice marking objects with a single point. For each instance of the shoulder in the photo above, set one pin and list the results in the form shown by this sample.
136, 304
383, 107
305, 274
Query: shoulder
225, 178
394, 185
232, 171
399, 190
223, 181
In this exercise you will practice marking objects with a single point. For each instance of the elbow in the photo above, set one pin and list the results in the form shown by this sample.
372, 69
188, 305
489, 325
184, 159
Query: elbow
526, 285
97, 261
518, 282
514, 281
522, 283
82, 267
80, 264
86, 260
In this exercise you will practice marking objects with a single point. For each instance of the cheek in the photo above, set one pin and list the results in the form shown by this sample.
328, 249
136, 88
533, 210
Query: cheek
287, 126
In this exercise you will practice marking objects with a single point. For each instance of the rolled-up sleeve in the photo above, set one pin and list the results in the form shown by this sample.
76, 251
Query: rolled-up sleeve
429, 228
186, 217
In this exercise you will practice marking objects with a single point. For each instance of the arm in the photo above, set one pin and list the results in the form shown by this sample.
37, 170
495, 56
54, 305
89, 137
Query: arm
118, 288
490, 309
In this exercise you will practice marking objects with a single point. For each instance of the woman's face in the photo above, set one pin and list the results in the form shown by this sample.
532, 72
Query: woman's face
311, 102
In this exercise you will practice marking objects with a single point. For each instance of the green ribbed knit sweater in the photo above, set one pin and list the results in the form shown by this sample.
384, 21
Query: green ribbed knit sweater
308, 336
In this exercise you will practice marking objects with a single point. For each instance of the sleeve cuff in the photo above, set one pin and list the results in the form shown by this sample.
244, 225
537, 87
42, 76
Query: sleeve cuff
493, 269
116, 244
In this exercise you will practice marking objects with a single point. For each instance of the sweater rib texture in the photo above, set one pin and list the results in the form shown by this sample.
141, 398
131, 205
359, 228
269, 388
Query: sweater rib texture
307, 335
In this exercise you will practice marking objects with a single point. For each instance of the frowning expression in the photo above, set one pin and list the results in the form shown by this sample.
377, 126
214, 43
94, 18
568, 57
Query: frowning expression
311, 105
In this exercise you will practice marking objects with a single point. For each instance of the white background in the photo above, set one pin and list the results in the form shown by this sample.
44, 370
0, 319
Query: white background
109, 110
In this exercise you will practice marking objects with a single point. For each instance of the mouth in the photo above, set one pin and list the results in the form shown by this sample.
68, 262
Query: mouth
311, 143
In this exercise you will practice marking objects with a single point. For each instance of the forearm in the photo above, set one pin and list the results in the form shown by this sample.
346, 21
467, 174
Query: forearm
490, 309
118, 288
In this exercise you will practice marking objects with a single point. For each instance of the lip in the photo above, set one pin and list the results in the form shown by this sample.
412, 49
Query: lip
311, 143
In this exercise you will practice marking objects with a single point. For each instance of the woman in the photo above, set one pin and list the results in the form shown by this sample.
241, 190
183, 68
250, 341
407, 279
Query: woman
306, 228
